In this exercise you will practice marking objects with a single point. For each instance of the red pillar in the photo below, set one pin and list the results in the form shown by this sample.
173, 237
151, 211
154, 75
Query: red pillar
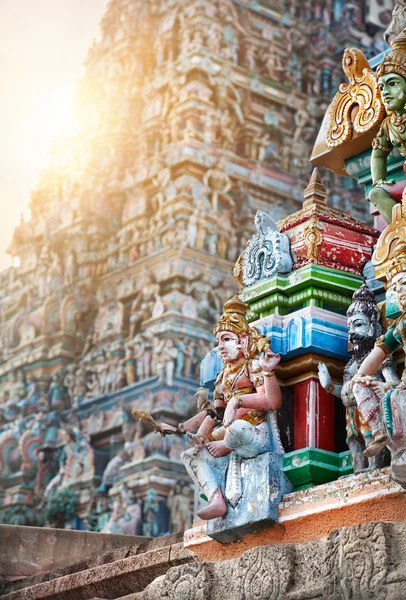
313, 416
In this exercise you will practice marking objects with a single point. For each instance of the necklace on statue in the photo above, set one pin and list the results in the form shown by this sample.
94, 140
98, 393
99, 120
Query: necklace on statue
230, 369
231, 374
399, 122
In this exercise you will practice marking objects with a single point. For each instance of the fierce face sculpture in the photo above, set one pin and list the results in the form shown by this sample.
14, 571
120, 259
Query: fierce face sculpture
360, 328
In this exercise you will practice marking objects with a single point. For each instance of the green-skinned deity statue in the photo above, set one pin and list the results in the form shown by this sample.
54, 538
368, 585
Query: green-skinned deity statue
391, 75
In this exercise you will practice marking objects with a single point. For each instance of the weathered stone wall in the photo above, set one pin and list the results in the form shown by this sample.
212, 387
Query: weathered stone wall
364, 562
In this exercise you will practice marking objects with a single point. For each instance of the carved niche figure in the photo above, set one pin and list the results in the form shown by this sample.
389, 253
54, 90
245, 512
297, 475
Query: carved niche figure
112, 471
165, 355
70, 267
143, 345
162, 181
16, 386
69, 380
363, 330
129, 362
143, 303
218, 183
131, 520
112, 525
80, 388
267, 252
151, 509
226, 95
76, 461
303, 121
251, 56
180, 509
273, 63
262, 141
391, 75
208, 302
57, 391
54, 275
93, 386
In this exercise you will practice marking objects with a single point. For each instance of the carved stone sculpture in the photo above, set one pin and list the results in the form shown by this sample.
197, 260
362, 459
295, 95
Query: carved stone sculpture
267, 253
218, 183
398, 23
112, 470
363, 330
362, 91
179, 506
391, 75
246, 397
385, 409
165, 355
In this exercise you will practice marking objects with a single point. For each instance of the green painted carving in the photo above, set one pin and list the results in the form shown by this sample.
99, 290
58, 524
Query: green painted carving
311, 466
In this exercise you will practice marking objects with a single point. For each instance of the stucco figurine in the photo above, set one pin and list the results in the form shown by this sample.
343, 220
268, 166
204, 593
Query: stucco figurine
363, 329
385, 409
391, 74
245, 400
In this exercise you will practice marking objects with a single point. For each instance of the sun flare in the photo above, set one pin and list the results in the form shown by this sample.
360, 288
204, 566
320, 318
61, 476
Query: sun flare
53, 116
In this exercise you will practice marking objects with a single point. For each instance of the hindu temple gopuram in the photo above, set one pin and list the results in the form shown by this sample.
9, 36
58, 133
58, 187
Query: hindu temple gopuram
202, 336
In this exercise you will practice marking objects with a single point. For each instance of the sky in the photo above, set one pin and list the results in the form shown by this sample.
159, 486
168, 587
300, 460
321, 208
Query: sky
43, 44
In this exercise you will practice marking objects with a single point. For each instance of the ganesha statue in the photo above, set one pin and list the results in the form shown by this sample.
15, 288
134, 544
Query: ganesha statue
236, 454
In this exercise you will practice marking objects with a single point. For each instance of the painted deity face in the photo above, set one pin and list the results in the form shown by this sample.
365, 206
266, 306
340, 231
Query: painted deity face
359, 328
229, 346
400, 289
393, 89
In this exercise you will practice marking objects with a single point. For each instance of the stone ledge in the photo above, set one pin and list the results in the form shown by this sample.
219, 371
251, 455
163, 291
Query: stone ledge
27, 551
314, 513
147, 545
113, 580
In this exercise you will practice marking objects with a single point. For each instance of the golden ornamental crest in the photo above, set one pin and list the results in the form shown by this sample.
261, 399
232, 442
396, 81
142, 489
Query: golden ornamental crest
357, 106
313, 238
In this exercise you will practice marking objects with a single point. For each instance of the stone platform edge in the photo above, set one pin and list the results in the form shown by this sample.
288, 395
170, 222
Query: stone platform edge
305, 515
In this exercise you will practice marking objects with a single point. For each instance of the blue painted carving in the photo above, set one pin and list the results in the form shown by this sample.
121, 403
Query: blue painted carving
268, 251
264, 485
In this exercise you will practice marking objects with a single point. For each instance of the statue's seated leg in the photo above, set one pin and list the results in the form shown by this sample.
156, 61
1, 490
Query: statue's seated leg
247, 440
369, 403
200, 465
383, 202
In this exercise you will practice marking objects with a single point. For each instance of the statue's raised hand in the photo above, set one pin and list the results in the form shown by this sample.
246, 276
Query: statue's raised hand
269, 361
230, 414
324, 376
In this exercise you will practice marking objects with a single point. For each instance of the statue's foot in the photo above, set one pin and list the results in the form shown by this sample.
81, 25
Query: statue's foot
376, 446
218, 449
217, 508
195, 439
